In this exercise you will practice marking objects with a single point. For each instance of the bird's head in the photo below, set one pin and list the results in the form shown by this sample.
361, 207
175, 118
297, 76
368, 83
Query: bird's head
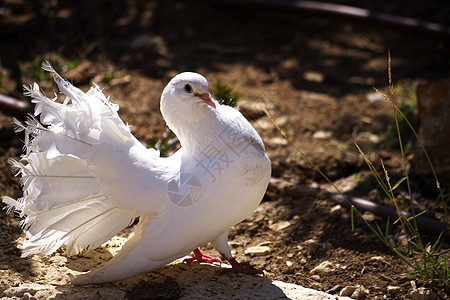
186, 99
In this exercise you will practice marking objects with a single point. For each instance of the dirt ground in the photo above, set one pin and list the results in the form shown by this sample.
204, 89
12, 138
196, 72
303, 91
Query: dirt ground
314, 75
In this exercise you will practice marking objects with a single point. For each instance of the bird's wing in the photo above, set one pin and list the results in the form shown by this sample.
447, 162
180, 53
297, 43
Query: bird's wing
85, 176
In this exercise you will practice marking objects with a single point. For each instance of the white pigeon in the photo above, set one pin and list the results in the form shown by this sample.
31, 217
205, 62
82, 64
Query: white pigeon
86, 177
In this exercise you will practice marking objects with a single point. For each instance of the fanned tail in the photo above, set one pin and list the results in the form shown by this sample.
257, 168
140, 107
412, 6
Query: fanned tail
63, 202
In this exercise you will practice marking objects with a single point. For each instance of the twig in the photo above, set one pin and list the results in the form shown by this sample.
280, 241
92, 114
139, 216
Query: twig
17, 108
347, 13
424, 223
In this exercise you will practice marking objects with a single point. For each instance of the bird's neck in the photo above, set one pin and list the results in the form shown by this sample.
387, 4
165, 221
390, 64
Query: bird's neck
198, 136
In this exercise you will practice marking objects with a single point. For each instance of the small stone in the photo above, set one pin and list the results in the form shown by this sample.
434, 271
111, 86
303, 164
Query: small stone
275, 141
368, 216
289, 263
377, 258
423, 294
334, 289
28, 296
258, 250
311, 241
313, 76
347, 291
374, 96
323, 268
393, 289
360, 292
315, 277
281, 121
335, 210
355, 292
280, 225
321, 135
312, 244
20, 291
266, 243
234, 244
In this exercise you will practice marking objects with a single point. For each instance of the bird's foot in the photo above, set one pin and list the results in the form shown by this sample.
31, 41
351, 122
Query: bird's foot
200, 257
237, 268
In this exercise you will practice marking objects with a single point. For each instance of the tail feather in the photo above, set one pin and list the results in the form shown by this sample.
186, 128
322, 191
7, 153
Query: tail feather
85, 224
63, 202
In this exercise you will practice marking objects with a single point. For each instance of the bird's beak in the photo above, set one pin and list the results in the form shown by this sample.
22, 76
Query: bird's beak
206, 97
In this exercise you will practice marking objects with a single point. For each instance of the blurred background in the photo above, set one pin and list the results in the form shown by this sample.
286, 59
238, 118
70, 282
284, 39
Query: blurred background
312, 68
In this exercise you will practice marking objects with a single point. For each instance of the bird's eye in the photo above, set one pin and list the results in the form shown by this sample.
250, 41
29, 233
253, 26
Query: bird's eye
188, 88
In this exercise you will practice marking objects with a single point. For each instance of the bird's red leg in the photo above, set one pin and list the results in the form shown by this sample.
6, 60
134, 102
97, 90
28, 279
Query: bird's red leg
237, 268
200, 257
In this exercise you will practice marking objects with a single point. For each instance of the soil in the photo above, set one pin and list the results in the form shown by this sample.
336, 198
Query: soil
314, 75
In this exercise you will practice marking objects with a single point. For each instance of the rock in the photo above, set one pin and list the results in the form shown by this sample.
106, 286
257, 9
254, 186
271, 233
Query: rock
378, 259
258, 250
282, 121
393, 289
423, 294
28, 296
293, 291
433, 103
347, 291
336, 210
315, 277
280, 225
289, 263
313, 76
321, 135
19, 291
355, 292
323, 268
275, 141
374, 96
253, 109
313, 244
368, 216
188, 279
266, 243
334, 290
367, 138
360, 293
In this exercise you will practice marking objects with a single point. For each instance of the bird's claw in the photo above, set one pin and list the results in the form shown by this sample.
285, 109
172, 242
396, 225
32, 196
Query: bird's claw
237, 268
200, 257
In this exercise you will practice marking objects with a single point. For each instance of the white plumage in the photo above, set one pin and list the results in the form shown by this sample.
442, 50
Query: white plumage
86, 177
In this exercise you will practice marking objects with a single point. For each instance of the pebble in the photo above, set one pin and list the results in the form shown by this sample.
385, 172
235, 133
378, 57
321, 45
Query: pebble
313, 244
355, 292
277, 141
280, 225
28, 296
23, 289
368, 216
393, 289
423, 294
335, 210
347, 291
374, 96
323, 268
315, 277
321, 135
258, 250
